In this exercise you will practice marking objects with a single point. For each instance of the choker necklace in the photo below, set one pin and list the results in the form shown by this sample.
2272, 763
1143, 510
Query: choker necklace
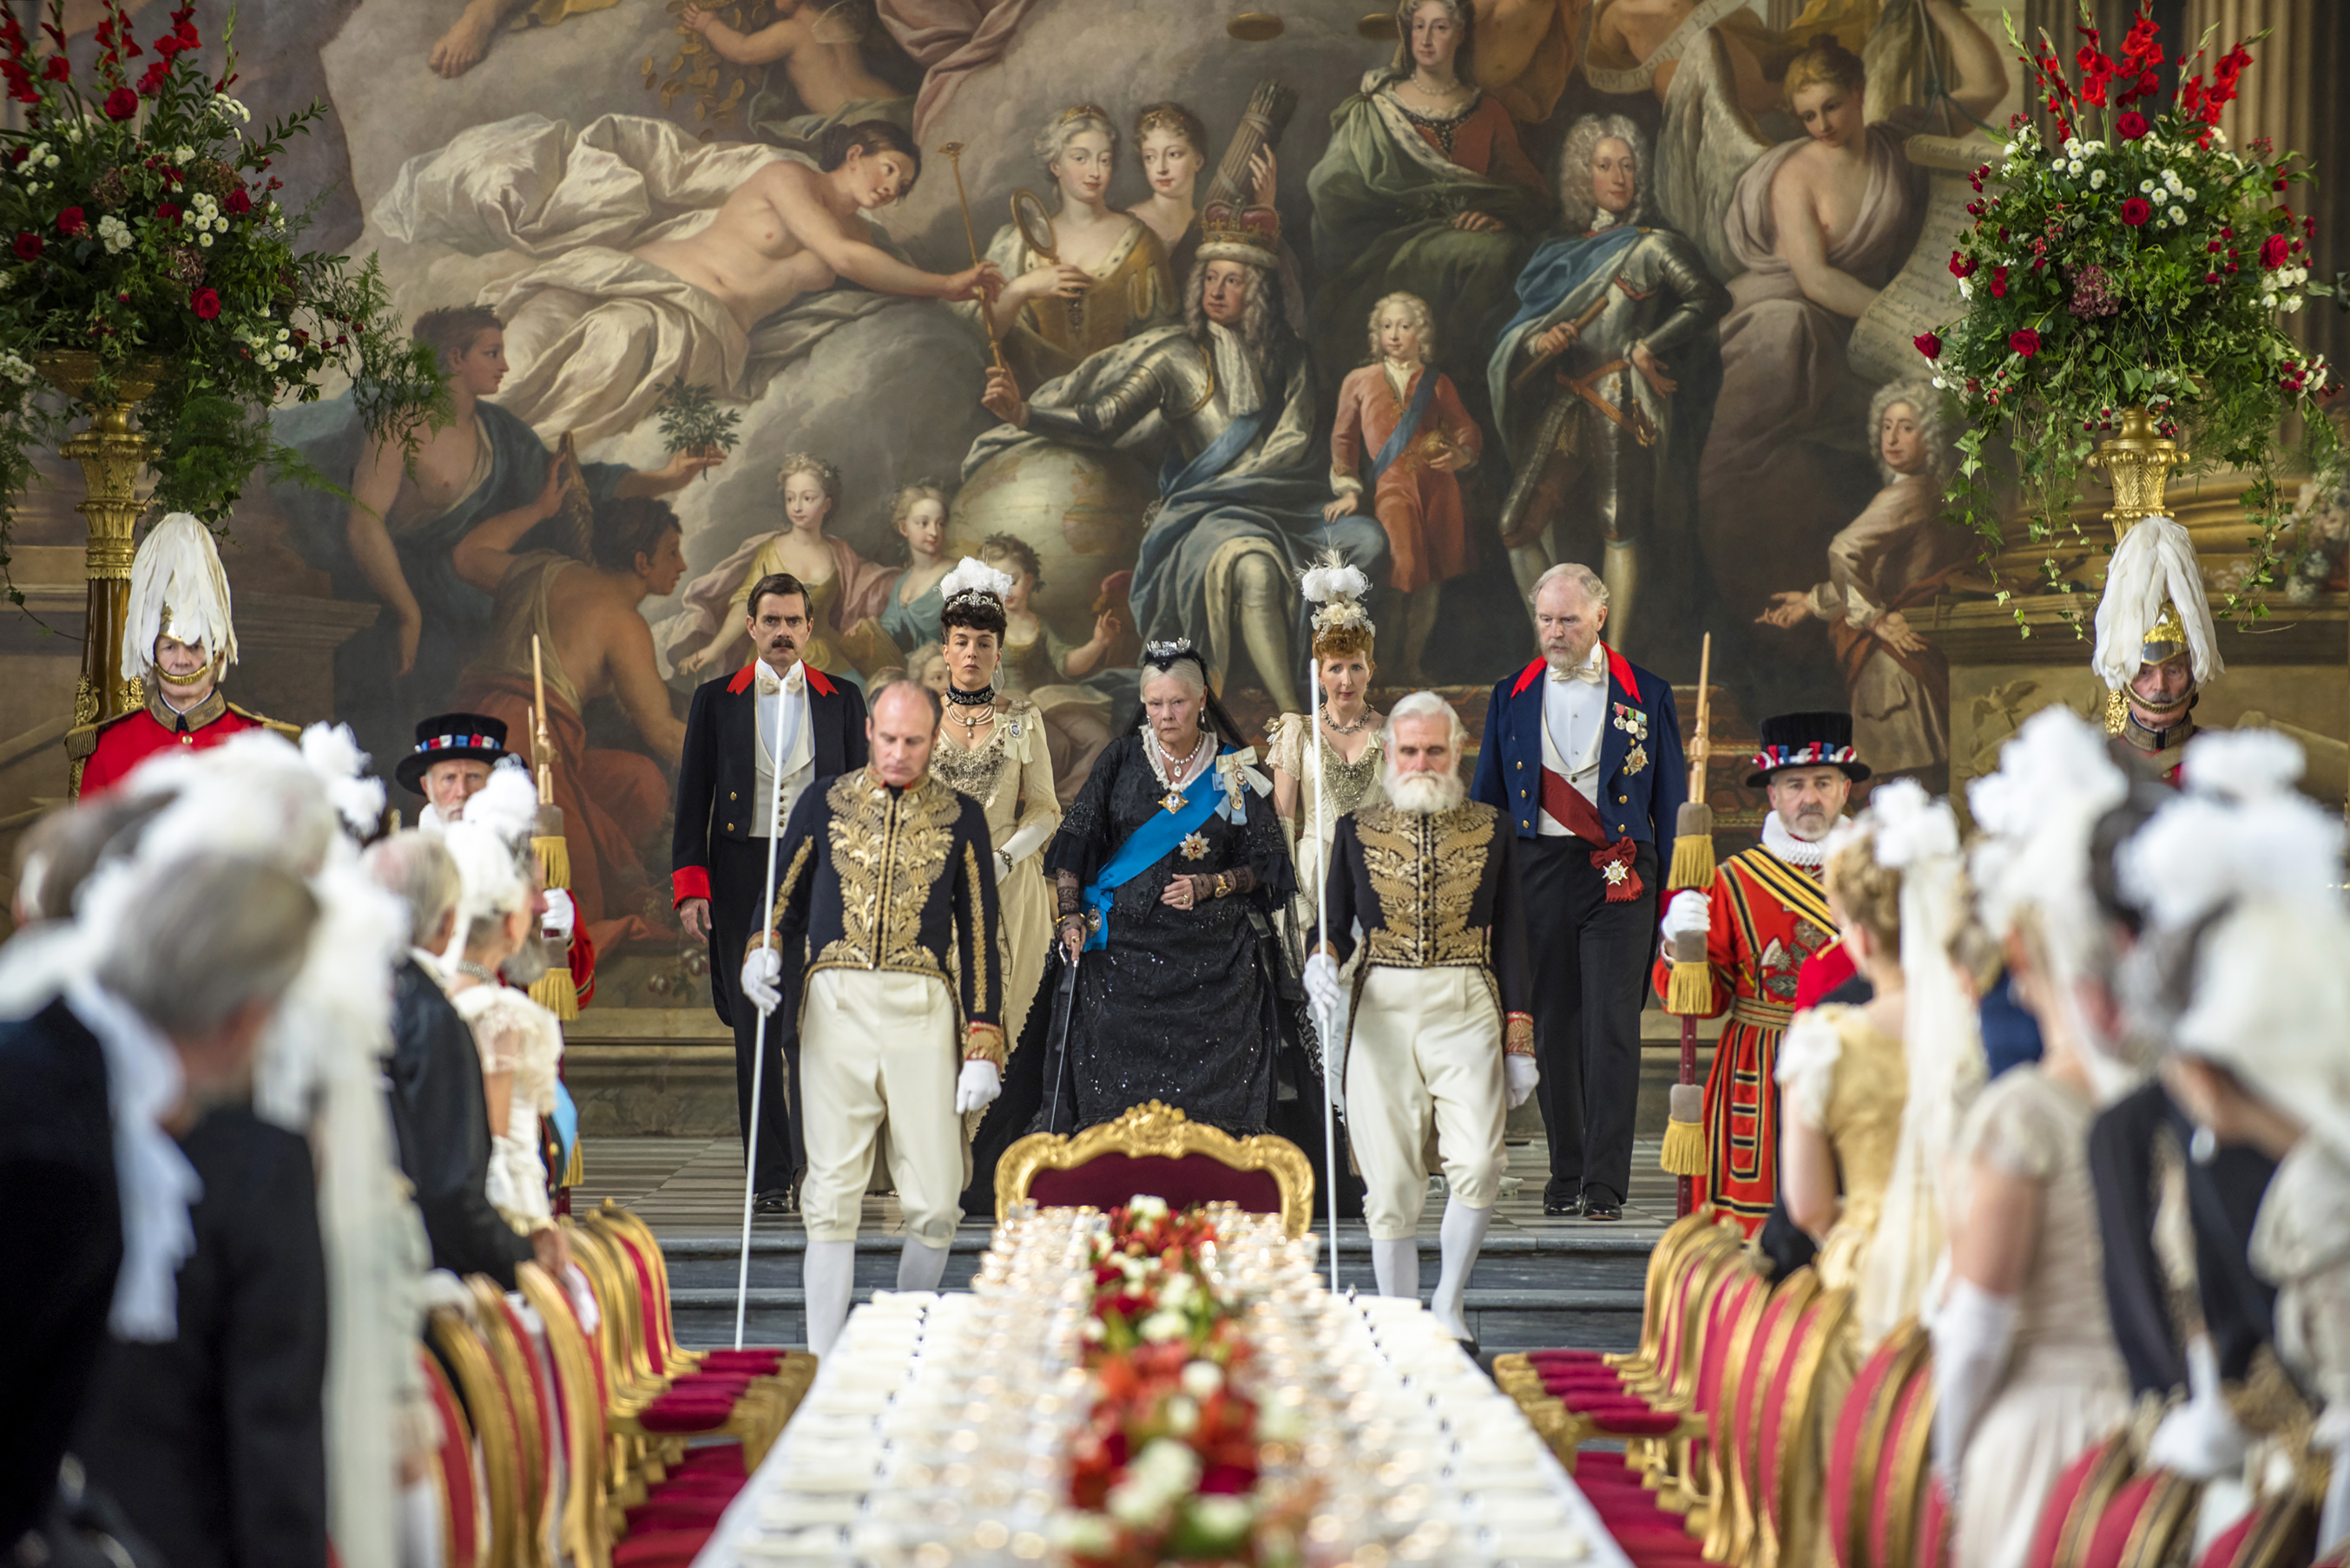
485, 975
1338, 729
980, 703
962, 699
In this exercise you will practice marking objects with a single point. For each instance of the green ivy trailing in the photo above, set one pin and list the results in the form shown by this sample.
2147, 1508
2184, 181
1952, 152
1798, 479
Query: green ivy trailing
2139, 261
139, 222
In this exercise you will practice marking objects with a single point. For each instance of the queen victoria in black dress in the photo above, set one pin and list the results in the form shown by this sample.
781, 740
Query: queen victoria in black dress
1169, 867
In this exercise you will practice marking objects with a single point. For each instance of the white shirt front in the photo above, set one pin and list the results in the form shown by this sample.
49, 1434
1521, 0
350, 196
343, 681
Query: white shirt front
1571, 714
780, 707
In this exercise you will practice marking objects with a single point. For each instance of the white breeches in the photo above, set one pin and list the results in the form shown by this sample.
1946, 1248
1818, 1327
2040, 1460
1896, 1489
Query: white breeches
1426, 1054
875, 1043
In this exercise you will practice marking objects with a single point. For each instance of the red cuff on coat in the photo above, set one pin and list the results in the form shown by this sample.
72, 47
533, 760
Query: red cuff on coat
688, 882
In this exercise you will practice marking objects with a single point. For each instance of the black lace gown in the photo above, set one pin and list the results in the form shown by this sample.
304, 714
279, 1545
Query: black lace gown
1180, 1005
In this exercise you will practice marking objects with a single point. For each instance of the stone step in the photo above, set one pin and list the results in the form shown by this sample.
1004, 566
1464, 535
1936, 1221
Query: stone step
1528, 1292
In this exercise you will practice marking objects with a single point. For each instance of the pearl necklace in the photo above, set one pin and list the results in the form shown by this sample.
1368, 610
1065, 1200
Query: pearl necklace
1171, 773
468, 967
982, 704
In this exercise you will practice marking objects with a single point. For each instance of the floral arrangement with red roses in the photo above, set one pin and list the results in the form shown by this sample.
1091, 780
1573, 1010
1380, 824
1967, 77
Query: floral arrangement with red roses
140, 223
1168, 1467
2138, 260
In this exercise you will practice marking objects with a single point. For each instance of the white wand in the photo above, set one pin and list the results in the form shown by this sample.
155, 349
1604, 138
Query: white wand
759, 1032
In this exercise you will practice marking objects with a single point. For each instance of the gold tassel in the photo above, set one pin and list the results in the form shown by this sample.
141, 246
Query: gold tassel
554, 859
1692, 865
555, 991
1684, 1151
1690, 994
574, 1169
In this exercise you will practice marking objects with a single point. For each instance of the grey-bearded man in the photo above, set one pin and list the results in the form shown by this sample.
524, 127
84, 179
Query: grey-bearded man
1242, 482
1443, 1034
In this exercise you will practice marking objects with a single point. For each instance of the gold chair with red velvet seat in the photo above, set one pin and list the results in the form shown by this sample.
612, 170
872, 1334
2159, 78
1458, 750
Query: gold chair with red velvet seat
497, 1434
1156, 1149
462, 1544
585, 1528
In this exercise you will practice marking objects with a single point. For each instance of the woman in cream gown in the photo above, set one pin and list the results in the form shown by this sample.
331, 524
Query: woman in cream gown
1353, 753
1107, 274
990, 747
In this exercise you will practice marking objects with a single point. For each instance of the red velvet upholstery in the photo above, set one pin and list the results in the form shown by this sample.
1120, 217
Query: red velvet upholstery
661, 1548
1713, 1357
1107, 1180
1934, 1525
1778, 1444
2110, 1541
757, 1362
656, 1339
665, 1512
1845, 1457
1912, 1403
676, 1412
462, 1509
2062, 1497
711, 1459
1746, 1397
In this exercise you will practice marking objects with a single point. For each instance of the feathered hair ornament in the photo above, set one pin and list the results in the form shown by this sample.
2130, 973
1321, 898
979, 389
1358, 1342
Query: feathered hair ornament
1335, 589
974, 579
508, 805
177, 585
333, 754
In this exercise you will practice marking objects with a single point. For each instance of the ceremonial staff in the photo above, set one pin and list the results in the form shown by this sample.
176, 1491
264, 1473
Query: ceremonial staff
1332, 1027
555, 991
1691, 992
759, 1030
952, 152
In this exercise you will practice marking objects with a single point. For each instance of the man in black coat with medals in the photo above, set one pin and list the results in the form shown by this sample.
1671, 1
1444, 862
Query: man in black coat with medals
777, 714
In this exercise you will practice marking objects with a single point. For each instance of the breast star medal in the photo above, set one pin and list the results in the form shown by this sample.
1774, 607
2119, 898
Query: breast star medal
1195, 847
1635, 759
1616, 874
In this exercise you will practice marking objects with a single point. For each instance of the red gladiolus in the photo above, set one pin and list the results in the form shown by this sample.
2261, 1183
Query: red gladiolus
2130, 126
121, 104
57, 69
238, 202
152, 81
2211, 277
1928, 344
2136, 211
1962, 265
2274, 251
2025, 341
71, 222
205, 303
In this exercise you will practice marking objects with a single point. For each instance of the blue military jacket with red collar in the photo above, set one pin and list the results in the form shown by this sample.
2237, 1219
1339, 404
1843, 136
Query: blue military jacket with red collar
715, 774
1643, 776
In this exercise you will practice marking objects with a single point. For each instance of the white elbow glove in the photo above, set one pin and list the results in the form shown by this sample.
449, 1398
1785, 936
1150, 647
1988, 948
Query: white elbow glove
1972, 1335
1520, 1074
1322, 984
1689, 913
1025, 841
977, 1088
562, 917
2200, 1439
763, 975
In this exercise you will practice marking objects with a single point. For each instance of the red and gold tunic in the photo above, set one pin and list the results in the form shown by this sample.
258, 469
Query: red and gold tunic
120, 745
1768, 918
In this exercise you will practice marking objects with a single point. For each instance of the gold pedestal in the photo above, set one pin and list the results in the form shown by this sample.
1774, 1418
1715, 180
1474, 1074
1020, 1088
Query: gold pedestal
2137, 464
112, 457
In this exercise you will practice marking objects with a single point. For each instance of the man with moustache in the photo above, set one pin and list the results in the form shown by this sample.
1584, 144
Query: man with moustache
887, 908
2157, 646
177, 628
1764, 918
774, 714
1443, 1036
1583, 750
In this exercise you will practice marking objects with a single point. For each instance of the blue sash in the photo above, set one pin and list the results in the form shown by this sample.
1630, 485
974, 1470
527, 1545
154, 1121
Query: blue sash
1212, 457
1408, 427
1149, 845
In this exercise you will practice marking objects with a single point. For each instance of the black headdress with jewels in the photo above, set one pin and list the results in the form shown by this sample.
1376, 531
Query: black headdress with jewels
1158, 658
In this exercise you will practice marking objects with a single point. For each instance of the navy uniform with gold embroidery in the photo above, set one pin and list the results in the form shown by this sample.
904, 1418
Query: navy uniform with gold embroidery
886, 904
1589, 865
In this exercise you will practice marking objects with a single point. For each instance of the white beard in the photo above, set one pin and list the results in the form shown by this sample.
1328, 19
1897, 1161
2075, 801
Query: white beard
1425, 794
1781, 840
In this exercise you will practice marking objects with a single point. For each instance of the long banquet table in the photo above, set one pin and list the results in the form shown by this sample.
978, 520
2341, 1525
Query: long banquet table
941, 1428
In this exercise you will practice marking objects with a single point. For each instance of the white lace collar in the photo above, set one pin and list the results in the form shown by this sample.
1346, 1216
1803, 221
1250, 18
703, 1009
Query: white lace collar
1794, 851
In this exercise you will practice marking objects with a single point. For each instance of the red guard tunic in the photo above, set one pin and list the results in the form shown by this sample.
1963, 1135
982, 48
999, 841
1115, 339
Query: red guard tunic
1768, 918
122, 744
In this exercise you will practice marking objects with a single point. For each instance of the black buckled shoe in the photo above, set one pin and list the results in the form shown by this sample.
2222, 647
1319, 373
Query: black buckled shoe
775, 1200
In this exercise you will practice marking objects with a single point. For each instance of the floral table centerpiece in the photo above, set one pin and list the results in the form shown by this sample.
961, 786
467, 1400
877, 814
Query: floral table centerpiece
2127, 281
147, 260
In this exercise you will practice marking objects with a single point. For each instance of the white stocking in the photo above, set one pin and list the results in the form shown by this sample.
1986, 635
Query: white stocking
830, 1277
1463, 1233
920, 1268
1396, 1266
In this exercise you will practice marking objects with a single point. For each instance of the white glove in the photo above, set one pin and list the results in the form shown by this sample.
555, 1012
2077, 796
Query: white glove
1691, 912
763, 975
2200, 1439
562, 917
1322, 984
1003, 867
977, 1088
1520, 1074
1972, 1336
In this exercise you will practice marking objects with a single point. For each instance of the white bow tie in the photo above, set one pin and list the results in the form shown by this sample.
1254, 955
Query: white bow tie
769, 686
1596, 674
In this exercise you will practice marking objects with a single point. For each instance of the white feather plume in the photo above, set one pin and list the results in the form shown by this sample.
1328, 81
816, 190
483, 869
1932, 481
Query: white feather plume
1912, 827
2201, 853
508, 805
178, 566
333, 754
2153, 565
2243, 764
2036, 814
972, 575
1333, 580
